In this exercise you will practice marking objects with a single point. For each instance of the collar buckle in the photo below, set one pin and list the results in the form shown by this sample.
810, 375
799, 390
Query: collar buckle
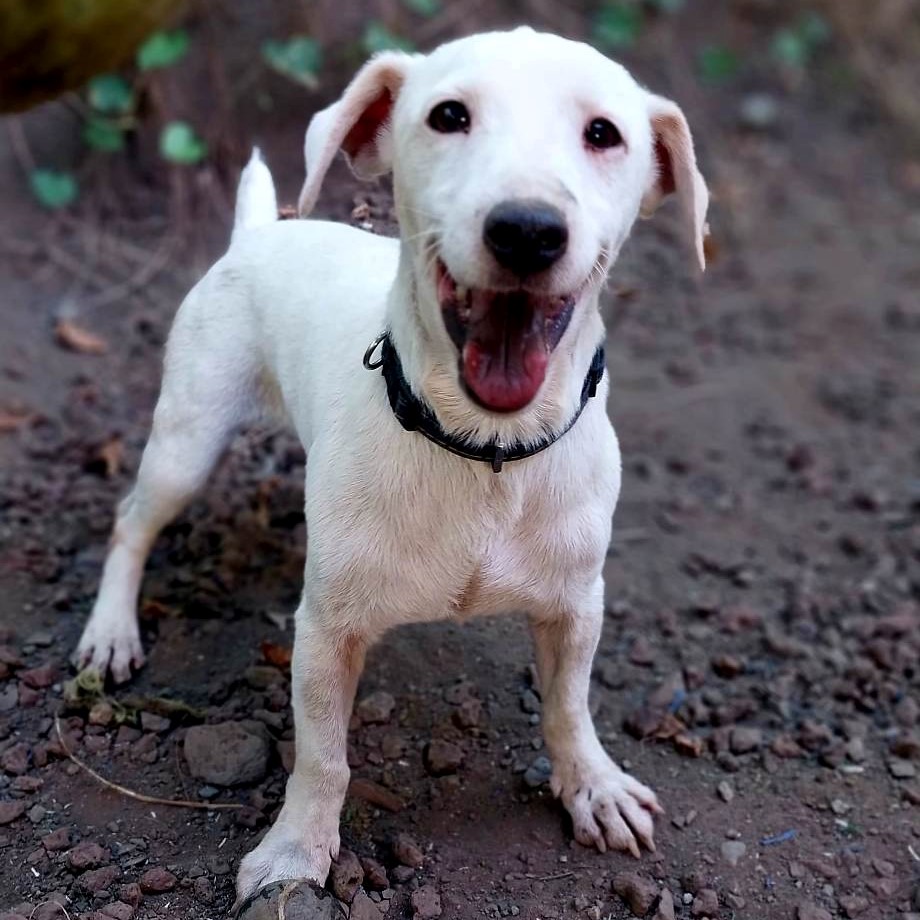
498, 457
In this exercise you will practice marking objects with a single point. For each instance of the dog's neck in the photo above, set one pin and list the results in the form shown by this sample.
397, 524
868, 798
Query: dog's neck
429, 362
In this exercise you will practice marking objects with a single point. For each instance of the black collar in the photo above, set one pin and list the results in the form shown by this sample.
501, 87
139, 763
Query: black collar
415, 415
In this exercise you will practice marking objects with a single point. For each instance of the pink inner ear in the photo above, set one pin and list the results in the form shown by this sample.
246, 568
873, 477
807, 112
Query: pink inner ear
665, 168
367, 127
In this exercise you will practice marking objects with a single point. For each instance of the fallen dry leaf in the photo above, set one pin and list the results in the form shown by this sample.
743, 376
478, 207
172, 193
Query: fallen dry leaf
110, 456
74, 337
277, 655
13, 421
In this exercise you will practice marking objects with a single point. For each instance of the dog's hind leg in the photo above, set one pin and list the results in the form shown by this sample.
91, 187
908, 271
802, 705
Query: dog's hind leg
207, 394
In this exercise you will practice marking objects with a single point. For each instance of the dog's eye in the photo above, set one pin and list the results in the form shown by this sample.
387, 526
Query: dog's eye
601, 134
449, 117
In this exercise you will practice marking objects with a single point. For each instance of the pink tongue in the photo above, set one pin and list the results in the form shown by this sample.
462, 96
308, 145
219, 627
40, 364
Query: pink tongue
506, 353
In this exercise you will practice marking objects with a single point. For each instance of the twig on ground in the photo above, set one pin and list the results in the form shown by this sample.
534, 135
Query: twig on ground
157, 261
139, 796
20, 145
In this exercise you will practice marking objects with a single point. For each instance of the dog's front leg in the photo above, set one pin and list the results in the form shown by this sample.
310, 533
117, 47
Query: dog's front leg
609, 808
327, 663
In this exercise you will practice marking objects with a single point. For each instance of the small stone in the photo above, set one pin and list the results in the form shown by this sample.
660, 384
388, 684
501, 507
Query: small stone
376, 708
426, 903
118, 910
733, 851
758, 111
744, 740
642, 652
727, 666
408, 852
884, 868
810, 911
538, 773
302, 900
87, 855
97, 880
725, 791
901, 769
130, 894
102, 713
203, 889
468, 714
15, 760
39, 678
375, 794
705, 904
345, 875
363, 907
530, 702
57, 840
665, 909
853, 905
403, 874
158, 881
636, 890
227, 754
443, 757
11, 810
375, 876
151, 722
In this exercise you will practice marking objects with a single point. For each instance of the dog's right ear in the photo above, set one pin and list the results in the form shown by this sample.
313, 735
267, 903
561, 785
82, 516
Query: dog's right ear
359, 124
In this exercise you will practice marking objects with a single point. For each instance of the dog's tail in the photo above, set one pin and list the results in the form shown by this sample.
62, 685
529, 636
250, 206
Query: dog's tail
256, 203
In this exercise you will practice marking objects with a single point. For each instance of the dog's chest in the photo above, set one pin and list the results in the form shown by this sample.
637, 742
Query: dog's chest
483, 545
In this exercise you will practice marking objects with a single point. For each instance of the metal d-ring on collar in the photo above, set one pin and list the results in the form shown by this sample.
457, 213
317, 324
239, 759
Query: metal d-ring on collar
415, 415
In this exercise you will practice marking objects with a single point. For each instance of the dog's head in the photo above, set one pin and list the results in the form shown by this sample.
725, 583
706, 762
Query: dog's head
520, 162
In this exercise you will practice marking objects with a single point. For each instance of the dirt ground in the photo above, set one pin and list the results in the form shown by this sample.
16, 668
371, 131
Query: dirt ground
760, 665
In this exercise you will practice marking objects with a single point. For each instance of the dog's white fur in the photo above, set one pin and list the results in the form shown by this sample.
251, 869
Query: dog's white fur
399, 529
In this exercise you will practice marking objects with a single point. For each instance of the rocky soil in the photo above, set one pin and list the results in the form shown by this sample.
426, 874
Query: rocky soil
760, 665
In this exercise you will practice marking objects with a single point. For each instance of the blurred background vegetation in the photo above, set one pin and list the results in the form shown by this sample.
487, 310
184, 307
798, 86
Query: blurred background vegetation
140, 96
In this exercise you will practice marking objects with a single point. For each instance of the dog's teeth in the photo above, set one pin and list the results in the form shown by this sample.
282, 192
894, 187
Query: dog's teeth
461, 291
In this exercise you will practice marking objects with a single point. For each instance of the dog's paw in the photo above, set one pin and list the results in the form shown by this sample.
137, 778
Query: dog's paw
609, 809
110, 646
287, 852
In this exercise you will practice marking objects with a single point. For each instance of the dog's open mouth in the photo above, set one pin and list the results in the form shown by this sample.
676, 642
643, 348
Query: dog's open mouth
504, 337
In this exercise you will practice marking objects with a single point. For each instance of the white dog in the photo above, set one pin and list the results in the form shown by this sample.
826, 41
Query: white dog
474, 473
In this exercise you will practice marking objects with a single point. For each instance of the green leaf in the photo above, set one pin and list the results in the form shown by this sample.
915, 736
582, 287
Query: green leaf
377, 37
163, 49
427, 8
52, 188
814, 28
103, 134
791, 48
617, 25
299, 58
111, 94
180, 144
717, 63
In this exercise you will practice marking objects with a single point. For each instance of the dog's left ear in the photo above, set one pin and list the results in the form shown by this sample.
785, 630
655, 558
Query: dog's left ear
359, 124
675, 170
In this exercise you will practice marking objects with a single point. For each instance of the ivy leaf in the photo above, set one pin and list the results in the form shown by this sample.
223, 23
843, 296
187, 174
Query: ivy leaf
299, 58
180, 144
163, 49
617, 25
427, 8
53, 189
377, 37
717, 63
111, 94
103, 134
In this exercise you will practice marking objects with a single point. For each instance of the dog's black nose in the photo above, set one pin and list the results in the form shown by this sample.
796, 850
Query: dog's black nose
525, 236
